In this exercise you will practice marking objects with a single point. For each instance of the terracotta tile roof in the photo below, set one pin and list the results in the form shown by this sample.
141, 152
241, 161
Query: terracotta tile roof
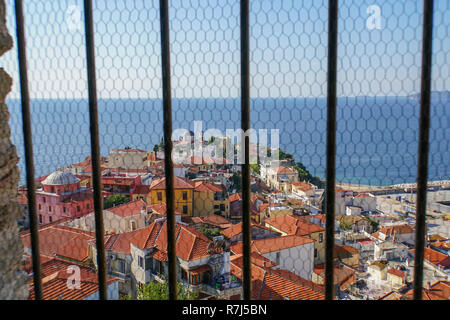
178, 183
141, 189
86, 162
291, 224
204, 186
62, 240
398, 229
257, 259
397, 272
363, 195
190, 243
128, 209
55, 276
365, 241
161, 209
270, 284
345, 250
235, 197
118, 181
438, 291
236, 229
436, 258
267, 245
304, 186
214, 220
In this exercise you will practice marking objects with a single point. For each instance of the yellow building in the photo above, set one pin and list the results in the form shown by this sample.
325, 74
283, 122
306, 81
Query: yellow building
210, 198
183, 197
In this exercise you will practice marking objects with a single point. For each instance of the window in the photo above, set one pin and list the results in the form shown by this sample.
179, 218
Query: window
315, 253
50, 219
43, 199
184, 275
185, 209
40, 218
278, 258
49, 208
87, 206
78, 208
39, 206
133, 225
148, 263
159, 195
64, 209
121, 265
184, 195
141, 262
320, 237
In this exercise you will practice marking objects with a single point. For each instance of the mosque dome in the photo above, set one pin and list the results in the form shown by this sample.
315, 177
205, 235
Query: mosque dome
60, 178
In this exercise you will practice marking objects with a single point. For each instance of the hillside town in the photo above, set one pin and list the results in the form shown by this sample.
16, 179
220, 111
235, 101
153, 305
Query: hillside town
374, 233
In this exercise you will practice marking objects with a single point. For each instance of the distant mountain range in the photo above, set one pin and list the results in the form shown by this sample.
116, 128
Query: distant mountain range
442, 96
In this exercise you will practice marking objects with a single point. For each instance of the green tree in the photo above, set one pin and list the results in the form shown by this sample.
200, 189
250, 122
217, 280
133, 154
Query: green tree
160, 291
255, 167
237, 181
374, 224
115, 200
210, 233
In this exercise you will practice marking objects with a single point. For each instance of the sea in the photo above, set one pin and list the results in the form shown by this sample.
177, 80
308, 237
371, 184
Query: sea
377, 137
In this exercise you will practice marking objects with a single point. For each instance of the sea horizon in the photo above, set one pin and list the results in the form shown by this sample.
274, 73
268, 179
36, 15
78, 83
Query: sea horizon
376, 136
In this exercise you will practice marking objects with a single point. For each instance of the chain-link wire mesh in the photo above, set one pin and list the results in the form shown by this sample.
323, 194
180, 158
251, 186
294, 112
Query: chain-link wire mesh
378, 87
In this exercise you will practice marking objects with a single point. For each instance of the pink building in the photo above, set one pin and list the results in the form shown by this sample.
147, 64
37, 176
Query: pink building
62, 196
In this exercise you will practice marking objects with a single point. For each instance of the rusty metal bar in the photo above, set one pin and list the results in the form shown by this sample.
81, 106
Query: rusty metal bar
245, 125
331, 147
167, 125
424, 129
28, 146
95, 149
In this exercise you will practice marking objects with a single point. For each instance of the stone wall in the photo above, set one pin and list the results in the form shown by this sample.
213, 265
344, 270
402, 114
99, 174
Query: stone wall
13, 282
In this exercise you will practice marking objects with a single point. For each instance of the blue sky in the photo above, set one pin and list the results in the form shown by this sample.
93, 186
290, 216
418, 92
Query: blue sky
288, 48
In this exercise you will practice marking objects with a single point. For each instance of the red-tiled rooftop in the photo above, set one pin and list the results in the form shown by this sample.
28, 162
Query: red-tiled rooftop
292, 224
214, 219
235, 197
128, 209
438, 291
55, 276
141, 189
398, 229
270, 284
267, 245
204, 186
178, 183
62, 240
435, 257
397, 272
236, 229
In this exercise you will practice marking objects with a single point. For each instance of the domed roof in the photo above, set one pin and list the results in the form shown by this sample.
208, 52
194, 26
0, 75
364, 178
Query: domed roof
60, 178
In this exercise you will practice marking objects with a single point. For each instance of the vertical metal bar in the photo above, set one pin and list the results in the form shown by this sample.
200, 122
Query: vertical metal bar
167, 118
424, 128
331, 147
28, 144
245, 125
95, 149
